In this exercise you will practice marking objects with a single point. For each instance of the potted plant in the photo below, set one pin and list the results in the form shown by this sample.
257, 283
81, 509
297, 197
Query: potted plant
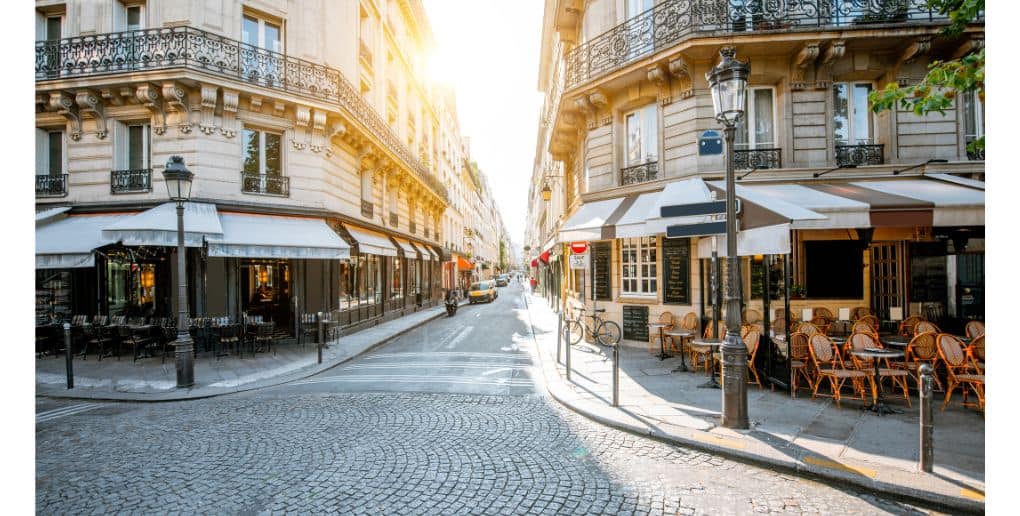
798, 291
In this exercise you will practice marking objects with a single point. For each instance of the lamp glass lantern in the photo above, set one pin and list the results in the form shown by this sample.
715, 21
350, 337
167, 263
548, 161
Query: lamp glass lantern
728, 81
546, 192
178, 179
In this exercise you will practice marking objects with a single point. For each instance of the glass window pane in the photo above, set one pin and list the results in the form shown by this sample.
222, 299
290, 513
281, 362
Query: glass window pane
134, 17
969, 115
53, 28
272, 40
741, 139
763, 119
274, 163
841, 113
251, 151
862, 116
56, 153
250, 31
633, 139
649, 131
135, 147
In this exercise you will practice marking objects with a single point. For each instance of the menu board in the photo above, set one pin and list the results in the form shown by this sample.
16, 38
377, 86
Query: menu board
928, 272
601, 258
676, 271
635, 322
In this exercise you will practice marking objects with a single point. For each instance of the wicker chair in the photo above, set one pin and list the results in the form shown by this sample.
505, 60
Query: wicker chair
752, 316
822, 324
825, 313
925, 327
863, 327
828, 364
752, 340
860, 311
808, 328
907, 325
699, 353
872, 321
975, 328
976, 353
953, 355
861, 341
921, 350
664, 318
688, 323
800, 359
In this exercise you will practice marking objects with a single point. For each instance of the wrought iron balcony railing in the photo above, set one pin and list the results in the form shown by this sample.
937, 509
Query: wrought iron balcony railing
975, 155
51, 185
671, 21
191, 48
131, 181
264, 184
757, 158
858, 155
639, 173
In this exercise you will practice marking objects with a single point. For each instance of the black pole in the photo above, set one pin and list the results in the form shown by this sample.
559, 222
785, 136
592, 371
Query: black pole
786, 310
318, 317
67, 355
567, 345
616, 374
559, 336
734, 353
183, 348
927, 461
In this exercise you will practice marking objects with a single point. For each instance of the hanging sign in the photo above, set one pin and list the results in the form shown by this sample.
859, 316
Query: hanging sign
579, 261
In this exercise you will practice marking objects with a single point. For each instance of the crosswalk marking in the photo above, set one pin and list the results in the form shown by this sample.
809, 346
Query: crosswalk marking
417, 379
50, 415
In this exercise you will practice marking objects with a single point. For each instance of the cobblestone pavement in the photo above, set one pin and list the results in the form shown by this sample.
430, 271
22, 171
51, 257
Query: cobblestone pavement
394, 453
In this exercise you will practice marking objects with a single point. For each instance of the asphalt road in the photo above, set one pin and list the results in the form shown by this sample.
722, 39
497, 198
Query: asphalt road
446, 419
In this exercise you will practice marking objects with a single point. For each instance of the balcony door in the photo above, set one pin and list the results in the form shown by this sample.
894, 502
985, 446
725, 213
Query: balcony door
262, 41
640, 160
640, 42
757, 129
853, 122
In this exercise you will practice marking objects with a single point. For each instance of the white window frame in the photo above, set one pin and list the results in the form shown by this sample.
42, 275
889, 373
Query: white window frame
645, 276
42, 158
120, 16
262, 149
750, 120
648, 121
873, 126
122, 144
979, 115
261, 22
42, 25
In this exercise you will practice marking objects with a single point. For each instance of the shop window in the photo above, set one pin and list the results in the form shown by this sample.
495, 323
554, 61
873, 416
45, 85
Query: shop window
396, 279
833, 269
265, 289
638, 266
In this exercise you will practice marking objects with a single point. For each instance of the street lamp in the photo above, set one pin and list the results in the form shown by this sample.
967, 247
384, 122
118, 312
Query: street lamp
546, 192
728, 81
178, 184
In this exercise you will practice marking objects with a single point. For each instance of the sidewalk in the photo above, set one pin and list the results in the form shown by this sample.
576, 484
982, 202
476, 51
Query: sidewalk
150, 380
844, 445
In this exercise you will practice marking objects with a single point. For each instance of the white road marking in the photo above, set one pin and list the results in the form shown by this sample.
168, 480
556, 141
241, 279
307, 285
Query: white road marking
460, 336
464, 354
417, 379
403, 365
50, 415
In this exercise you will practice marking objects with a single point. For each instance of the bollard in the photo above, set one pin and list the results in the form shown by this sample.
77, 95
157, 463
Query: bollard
568, 352
616, 374
318, 317
559, 337
67, 355
927, 426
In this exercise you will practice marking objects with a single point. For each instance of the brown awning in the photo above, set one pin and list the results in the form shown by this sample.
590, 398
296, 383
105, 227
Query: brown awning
887, 210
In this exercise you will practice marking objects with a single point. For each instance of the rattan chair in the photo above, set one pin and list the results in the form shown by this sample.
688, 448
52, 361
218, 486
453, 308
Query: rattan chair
859, 311
821, 323
953, 355
751, 316
907, 325
689, 322
976, 353
700, 354
922, 350
829, 365
808, 328
752, 339
664, 318
800, 361
862, 341
975, 328
863, 327
872, 321
925, 327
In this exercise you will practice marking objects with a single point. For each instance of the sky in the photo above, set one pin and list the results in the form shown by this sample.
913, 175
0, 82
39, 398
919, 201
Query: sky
488, 50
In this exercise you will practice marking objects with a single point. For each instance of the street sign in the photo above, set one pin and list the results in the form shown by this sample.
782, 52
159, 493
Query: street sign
696, 208
578, 247
579, 261
710, 143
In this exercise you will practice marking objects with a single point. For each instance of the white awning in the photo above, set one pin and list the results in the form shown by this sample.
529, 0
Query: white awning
158, 226
955, 205
68, 243
370, 242
688, 191
586, 223
807, 208
50, 213
965, 181
632, 223
248, 235
763, 240
409, 250
434, 253
423, 251
549, 245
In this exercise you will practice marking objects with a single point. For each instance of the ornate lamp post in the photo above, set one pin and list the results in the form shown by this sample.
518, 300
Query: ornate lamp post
178, 184
728, 81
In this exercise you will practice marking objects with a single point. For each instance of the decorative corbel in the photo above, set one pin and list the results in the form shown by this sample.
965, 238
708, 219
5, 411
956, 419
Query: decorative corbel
148, 96
63, 103
114, 98
42, 101
229, 125
587, 110
89, 104
302, 115
974, 44
255, 103
177, 103
319, 141
601, 103
680, 69
207, 122
657, 75
918, 48
278, 107
808, 53
823, 72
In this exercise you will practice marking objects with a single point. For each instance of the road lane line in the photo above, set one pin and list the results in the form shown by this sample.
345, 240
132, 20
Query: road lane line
416, 379
459, 337
440, 365
50, 415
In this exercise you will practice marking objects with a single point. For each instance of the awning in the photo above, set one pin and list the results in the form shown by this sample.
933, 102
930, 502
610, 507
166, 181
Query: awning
950, 204
586, 223
247, 235
773, 239
423, 251
49, 214
688, 191
158, 226
370, 242
632, 222
435, 255
464, 265
409, 251
544, 256
804, 207
68, 243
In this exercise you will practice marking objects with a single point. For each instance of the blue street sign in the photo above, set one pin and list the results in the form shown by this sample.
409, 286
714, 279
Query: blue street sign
710, 143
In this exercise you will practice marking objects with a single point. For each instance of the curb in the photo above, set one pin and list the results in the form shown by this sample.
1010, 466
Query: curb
555, 385
187, 395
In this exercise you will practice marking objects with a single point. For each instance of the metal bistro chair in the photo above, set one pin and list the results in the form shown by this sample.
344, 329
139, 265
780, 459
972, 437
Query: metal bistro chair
264, 338
829, 364
975, 328
230, 336
95, 337
952, 353
309, 329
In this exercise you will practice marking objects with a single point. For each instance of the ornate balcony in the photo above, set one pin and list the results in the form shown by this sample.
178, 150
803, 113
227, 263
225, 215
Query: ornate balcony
194, 49
671, 21
757, 158
263, 184
858, 155
639, 173
51, 185
131, 181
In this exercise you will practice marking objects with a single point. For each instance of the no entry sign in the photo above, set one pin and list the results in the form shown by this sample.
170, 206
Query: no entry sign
579, 247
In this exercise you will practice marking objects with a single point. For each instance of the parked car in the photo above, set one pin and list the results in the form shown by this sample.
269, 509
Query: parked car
502, 280
482, 291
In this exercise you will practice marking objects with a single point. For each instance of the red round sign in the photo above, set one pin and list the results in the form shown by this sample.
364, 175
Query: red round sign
578, 247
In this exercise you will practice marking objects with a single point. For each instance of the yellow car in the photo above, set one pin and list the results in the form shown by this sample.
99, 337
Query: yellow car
482, 291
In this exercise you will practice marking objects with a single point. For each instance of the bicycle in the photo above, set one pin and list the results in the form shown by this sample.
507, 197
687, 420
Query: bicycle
607, 333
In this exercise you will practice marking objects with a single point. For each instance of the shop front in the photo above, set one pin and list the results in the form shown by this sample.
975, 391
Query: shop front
363, 279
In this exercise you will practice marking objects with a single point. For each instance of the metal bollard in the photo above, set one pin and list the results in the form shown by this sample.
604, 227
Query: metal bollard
927, 427
568, 352
616, 374
318, 317
559, 337
67, 355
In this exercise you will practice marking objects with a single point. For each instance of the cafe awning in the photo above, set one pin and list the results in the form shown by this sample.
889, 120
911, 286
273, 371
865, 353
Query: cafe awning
688, 191
805, 207
950, 204
370, 242
773, 239
639, 208
50, 214
464, 265
69, 243
423, 251
158, 226
247, 235
409, 251
586, 223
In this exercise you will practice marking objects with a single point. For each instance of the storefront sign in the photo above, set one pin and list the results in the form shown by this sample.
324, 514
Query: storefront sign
676, 264
600, 270
579, 261
635, 322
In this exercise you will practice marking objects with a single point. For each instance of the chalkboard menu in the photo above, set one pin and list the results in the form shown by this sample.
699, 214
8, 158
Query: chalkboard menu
635, 322
601, 259
676, 271
928, 272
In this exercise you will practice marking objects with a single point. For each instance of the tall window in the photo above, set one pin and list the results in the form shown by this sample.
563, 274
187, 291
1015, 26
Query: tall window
257, 64
853, 123
129, 17
49, 159
642, 137
757, 128
261, 33
53, 28
133, 141
263, 152
638, 262
973, 118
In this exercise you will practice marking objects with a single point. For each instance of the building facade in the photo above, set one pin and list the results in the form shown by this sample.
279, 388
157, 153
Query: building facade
327, 169
840, 207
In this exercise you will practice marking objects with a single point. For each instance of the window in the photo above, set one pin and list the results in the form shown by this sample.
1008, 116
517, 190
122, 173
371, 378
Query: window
757, 129
823, 257
853, 123
49, 159
642, 139
257, 65
133, 141
53, 28
129, 17
638, 262
261, 33
973, 120
262, 152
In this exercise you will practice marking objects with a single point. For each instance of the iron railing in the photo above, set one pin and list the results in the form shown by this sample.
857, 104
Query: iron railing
858, 155
975, 155
757, 158
47, 185
191, 48
131, 181
639, 173
671, 21
265, 184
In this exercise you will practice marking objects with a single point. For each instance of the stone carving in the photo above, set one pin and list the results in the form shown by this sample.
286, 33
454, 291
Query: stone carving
178, 105
89, 104
805, 57
918, 48
601, 103
229, 125
681, 71
319, 141
208, 109
302, 116
63, 103
112, 97
657, 75
823, 72
587, 110
148, 95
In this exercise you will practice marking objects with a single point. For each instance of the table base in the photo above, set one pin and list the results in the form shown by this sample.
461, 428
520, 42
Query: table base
881, 408
710, 384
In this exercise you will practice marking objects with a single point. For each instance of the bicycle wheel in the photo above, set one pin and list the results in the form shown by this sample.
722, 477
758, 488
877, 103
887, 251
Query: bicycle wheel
576, 331
608, 333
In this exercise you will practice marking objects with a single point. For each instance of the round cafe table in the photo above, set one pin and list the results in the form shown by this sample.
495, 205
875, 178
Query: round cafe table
714, 344
662, 346
682, 334
879, 407
896, 341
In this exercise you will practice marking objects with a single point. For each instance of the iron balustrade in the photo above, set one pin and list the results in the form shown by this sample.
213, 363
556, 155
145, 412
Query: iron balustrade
265, 184
671, 21
131, 181
858, 155
47, 185
639, 173
195, 49
757, 158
